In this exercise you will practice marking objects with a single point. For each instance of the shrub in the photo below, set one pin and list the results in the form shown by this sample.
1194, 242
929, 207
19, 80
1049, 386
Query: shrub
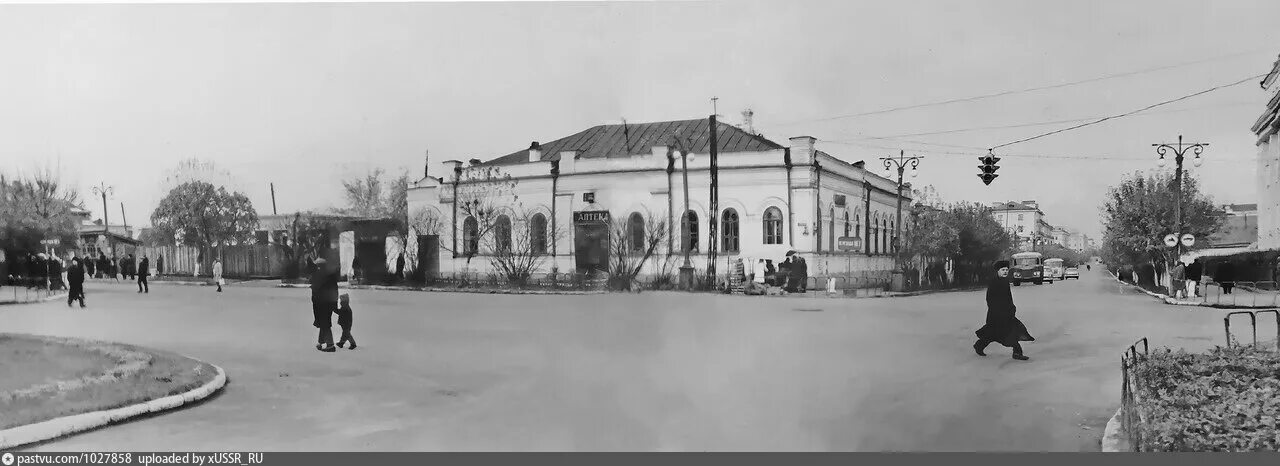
1225, 400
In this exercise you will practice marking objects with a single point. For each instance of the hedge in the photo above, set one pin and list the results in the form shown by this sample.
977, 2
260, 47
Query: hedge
1225, 400
1250, 266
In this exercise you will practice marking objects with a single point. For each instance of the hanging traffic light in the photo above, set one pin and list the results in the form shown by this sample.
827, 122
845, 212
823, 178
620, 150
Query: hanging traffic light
988, 168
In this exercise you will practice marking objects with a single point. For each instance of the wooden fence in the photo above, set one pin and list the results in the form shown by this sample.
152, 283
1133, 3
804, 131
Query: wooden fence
247, 261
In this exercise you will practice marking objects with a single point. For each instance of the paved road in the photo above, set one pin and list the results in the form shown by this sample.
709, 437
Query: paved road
649, 372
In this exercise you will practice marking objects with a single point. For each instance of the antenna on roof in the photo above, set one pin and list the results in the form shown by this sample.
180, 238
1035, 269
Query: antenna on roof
626, 136
714, 110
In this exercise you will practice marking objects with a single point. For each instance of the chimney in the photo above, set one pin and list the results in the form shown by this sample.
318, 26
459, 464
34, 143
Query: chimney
746, 121
426, 164
535, 152
568, 159
451, 168
802, 149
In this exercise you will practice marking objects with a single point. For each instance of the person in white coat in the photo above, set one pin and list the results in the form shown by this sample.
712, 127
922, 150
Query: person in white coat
217, 273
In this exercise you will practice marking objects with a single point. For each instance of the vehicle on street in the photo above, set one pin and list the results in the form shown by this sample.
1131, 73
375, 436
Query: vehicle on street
1053, 269
1027, 267
1071, 272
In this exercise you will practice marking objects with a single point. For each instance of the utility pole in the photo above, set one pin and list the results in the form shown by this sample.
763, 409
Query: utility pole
104, 190
715, 205
124, 218
273, 199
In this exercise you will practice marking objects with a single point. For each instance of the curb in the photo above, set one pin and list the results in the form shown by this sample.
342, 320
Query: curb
1176, 302
77, 423
452, 290
1113, 435
41, 300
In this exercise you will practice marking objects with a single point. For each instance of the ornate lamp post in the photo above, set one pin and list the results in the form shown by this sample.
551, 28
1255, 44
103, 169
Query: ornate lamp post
681, 149
901, 163
1178, 152
104, 190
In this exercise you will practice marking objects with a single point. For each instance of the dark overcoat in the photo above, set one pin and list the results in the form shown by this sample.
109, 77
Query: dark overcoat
324, 295
1002, 325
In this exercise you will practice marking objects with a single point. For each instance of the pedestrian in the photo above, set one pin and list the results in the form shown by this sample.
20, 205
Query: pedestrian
1002, 324
102, 268
1177, 279
770, 273
400, 267
356, 274
75, 278
217, 273
144, 269
784, 274
89, 265
344, 320
1088, 267
1194, 272
160, 265
324, 302
55, 273
1225, 276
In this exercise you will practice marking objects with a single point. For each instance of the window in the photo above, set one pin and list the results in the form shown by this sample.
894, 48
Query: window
635, 229
848, 226
538, 233
470, 236
875, 235
729, 231
689, 232
502, 233
772, 226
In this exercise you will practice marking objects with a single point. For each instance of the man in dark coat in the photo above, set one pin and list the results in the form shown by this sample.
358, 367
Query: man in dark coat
1002, 325
1194, 273
75, 278
1225, 276
55, 273
89, 265
160, 266
400, 267
144, 269
324, 302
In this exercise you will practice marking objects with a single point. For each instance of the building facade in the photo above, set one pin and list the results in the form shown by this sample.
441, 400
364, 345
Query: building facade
1025, 221
568, 194
1268, 181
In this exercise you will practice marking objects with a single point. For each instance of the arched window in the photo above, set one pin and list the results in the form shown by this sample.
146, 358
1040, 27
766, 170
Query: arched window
729, 231
689, 232
884, 236
893, 233
772, 226
470, 236
848, 225
635, 232
538, 233
857, 224
502, 233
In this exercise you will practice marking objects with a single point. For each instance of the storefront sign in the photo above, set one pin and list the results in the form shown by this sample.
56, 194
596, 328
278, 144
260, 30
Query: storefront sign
600, 216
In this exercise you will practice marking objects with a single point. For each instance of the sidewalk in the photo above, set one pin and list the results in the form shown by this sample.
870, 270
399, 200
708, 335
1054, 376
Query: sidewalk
1238, 299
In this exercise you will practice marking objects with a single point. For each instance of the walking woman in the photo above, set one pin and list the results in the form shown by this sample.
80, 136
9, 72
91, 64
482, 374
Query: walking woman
324, 302
1002, 325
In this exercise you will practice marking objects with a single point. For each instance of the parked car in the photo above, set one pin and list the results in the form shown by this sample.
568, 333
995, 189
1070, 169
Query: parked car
1071, 272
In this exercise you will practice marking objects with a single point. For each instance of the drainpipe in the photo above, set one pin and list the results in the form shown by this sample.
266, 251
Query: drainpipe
791, 216
555, 183
457, 175
866, 237
817, 206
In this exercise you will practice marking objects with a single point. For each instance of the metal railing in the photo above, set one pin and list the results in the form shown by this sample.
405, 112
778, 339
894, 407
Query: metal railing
1131, 417
1267, 289
22, 294
1253, 324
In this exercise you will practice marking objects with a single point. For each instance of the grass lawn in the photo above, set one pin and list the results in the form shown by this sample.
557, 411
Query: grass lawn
27, 362
35, 361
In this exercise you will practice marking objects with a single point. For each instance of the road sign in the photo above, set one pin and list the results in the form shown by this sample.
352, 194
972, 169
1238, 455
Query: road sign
1171, 240
50, 242
849, 243
1188, 240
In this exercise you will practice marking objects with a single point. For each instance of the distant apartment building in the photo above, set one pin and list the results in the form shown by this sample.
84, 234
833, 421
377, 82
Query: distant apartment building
1025, 221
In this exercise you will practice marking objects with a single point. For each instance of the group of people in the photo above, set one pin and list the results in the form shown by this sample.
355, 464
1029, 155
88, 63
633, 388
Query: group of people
325, 302
1185, 278
35, 271
760, 277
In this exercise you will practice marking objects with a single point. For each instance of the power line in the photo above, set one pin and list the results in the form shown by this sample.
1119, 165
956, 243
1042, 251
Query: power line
1185, 97
1054, 122
1026, 90
1039, 156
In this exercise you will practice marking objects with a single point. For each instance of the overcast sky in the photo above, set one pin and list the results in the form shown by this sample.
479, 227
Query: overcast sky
304, 94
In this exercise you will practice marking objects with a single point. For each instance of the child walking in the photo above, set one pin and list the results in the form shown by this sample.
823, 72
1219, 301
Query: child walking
344, 320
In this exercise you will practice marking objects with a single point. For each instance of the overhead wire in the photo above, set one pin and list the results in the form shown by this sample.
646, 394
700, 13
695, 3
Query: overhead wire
1025, 90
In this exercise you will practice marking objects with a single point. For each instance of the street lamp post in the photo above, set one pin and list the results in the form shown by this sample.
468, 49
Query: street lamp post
104, 190
1178, 152
901, 163
686, 270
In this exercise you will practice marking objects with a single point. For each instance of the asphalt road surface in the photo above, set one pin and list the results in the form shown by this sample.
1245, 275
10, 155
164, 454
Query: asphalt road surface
648, 372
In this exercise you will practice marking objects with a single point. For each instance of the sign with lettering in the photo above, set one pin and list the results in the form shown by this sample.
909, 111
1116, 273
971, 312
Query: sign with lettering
849, 243
594, 216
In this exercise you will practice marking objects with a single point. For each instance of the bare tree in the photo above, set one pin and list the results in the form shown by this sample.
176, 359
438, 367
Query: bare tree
633, 241
519, 244
482, 194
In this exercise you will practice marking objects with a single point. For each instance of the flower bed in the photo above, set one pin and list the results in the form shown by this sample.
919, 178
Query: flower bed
124, 375
1224, 400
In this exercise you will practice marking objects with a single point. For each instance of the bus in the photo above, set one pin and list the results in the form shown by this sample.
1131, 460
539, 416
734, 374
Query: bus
1054, 270
1027, 267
